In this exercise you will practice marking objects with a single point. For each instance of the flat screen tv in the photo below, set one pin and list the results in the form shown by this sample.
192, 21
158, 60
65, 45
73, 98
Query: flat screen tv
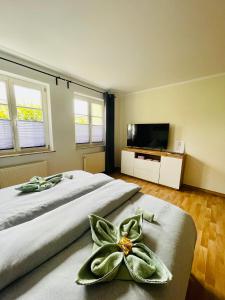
153, 136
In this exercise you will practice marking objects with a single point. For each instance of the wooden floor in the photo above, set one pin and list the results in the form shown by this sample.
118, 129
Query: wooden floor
207, 281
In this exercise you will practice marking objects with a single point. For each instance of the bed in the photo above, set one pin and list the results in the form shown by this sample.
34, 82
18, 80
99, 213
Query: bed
40, 257
16, 207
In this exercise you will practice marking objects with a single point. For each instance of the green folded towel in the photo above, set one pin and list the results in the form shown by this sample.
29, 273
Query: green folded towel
118, 254
68, 176
38, 184
147, 215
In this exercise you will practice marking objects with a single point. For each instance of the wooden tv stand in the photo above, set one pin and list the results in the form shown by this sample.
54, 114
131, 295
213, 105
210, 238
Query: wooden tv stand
162, 167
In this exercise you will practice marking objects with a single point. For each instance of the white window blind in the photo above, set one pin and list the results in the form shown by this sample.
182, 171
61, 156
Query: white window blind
6, 139
89, 120
23, 115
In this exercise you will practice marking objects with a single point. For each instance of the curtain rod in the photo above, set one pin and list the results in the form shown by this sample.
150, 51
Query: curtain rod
51, 75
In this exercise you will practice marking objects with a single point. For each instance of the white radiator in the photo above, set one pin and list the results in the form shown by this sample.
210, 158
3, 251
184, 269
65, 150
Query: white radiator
94, 162
12, 175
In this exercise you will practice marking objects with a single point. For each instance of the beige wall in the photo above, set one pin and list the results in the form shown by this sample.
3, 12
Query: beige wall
66, 155
196, 113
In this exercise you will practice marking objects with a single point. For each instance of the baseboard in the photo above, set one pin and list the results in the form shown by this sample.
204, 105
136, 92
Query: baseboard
187, 186
191, 187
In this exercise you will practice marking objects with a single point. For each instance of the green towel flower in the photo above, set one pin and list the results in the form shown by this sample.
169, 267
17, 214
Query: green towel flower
118, 254
38, 184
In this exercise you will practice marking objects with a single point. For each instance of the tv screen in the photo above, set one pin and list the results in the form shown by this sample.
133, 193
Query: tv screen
153, 136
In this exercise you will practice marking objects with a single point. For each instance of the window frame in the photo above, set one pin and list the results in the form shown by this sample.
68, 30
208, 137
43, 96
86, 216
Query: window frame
90, 100
11, 80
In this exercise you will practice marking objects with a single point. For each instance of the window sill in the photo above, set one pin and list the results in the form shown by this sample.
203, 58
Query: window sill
86, 146
25, 153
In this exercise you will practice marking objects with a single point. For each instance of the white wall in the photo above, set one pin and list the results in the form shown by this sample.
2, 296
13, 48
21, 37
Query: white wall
196, 113
66, 155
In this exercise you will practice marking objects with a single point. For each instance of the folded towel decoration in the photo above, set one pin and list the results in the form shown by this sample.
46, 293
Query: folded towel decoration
147, 215
38, 184
68, 176
119, 254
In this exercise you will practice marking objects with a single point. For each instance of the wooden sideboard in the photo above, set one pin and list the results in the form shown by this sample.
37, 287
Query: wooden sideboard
162, 167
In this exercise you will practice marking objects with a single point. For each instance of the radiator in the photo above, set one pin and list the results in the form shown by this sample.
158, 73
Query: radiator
12, 175
94, 162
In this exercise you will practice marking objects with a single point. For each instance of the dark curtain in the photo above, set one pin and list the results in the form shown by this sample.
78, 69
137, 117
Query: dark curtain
109, 143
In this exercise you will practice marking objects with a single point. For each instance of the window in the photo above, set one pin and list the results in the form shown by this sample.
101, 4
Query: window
89, 120
23, 115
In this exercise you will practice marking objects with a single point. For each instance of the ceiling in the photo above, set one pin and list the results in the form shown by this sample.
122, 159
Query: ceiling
125, 45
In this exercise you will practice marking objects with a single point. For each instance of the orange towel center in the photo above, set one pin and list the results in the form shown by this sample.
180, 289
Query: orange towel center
125, 244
